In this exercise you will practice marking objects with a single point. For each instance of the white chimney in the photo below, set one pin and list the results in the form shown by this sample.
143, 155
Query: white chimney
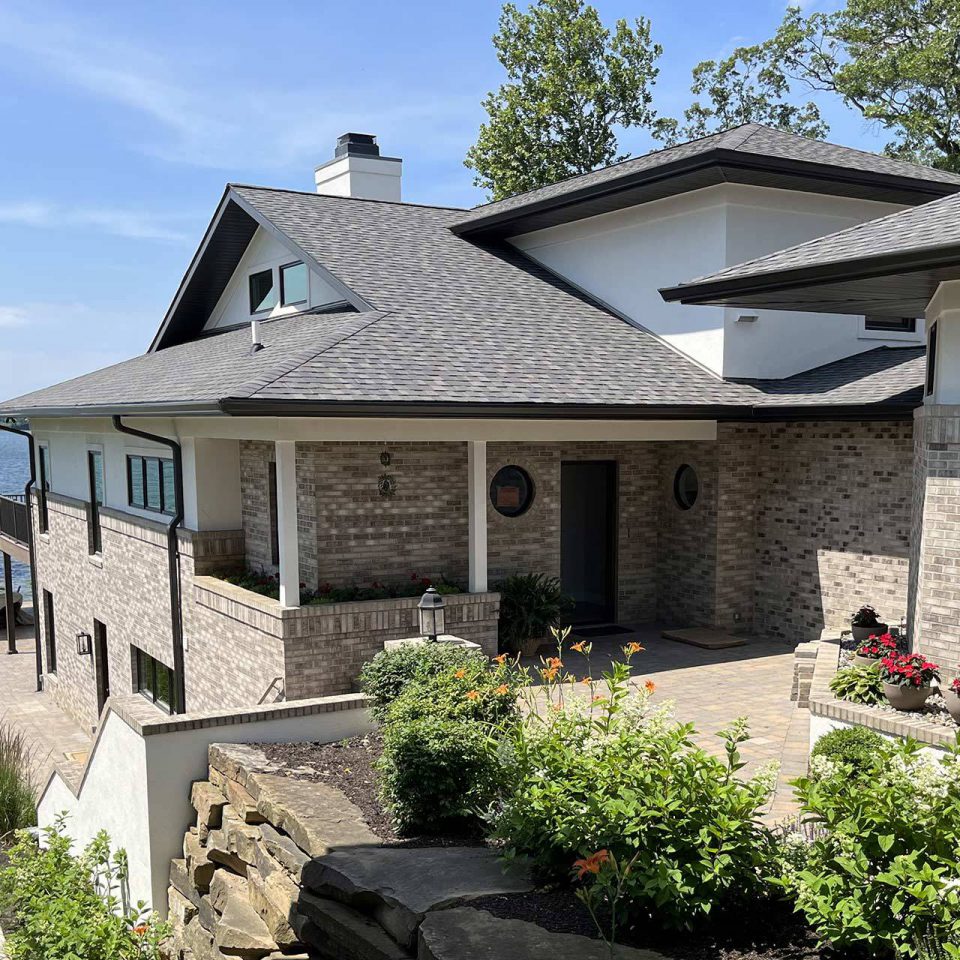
358, 170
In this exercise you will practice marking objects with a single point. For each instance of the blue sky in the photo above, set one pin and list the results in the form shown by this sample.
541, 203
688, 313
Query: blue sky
122, 121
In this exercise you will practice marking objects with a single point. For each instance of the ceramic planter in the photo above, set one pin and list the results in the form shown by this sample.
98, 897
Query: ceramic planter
530, 646
906, 698
952, 700
865, 661
862, 634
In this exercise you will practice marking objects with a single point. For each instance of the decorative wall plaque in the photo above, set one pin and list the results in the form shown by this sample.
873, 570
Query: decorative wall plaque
387, 485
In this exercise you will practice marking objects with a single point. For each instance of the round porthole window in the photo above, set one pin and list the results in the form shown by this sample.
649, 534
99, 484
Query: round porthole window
686, 486
511, 491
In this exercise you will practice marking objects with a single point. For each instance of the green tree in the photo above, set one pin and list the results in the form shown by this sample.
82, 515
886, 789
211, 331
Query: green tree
895, 61
570, 82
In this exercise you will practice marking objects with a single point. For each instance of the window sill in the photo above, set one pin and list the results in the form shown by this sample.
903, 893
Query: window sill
96, 559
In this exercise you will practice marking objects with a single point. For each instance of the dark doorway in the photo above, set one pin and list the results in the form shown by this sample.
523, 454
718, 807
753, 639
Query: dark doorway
101, 664
588, 538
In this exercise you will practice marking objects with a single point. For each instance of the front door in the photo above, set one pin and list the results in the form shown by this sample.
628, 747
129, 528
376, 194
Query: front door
101, 664
588, 538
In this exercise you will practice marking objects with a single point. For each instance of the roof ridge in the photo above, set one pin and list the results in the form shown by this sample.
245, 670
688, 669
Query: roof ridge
330, 196
252, 387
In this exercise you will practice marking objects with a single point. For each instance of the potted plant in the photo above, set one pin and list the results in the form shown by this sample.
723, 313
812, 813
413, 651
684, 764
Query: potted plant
866, 624
906, 680
530, 604
951, 697
872, 651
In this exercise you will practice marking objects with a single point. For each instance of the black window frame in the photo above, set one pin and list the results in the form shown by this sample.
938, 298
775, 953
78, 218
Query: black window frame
932, 360
283, 292
890, 324
94, 530
147, 670
273, 512
43, 517
50, 631
682, 500
274, 286
163, 464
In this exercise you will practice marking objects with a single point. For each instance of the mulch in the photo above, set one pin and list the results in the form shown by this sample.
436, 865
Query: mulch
349, 765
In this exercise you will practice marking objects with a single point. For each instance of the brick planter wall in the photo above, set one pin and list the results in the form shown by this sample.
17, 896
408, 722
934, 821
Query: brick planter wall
324, 646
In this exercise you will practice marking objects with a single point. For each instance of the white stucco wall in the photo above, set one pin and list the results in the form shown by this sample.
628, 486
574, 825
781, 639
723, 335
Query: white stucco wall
137, 788
624, 257
264, 252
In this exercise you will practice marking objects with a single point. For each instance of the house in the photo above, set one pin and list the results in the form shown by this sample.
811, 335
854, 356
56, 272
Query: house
349, 389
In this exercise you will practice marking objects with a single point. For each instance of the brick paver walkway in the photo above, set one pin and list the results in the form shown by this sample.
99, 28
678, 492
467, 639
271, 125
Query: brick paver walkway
52, 735
711, 688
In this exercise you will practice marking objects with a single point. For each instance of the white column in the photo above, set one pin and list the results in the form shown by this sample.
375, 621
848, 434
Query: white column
287, 523
477, 514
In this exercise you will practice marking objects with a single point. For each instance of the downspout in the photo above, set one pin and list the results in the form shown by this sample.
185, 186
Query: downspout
173, 557
27, 492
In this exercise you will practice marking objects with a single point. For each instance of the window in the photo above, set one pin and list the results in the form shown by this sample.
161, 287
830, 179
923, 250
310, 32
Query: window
151, 484
263, 293
95, 475
43, 483
891, 324
293, 284
686, 486
272, 507
932, 360
50, 632
154, 680
511, 491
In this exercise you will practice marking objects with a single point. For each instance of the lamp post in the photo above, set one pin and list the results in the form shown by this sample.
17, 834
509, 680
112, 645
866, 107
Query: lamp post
430, 614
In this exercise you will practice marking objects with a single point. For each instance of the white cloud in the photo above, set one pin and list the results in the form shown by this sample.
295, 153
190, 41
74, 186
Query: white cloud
13, 316
118, 222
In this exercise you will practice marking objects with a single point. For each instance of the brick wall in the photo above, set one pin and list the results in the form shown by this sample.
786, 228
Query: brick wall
833, 524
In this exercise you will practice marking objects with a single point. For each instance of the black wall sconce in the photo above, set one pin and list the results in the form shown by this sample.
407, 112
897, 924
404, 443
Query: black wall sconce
84, 644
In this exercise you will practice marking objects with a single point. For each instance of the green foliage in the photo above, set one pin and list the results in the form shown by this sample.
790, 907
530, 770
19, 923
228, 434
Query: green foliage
390, 672
894, 61
68, 907
436, 772
17, 797
606, 774
530, 604
881, 873
858, 685
855, 747
570, 82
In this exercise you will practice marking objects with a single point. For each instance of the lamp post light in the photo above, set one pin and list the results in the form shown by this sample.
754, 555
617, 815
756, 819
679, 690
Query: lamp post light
431, 616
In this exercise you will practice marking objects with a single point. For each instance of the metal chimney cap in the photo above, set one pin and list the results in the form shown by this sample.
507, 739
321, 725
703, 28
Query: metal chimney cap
357, 145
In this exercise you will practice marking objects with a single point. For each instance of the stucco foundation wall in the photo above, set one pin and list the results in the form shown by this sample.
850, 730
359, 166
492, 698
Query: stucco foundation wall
833, 525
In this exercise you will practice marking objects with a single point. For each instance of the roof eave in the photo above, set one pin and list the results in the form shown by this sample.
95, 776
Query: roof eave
182, 409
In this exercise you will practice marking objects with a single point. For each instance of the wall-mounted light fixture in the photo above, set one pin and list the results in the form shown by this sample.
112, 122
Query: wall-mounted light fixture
84, 644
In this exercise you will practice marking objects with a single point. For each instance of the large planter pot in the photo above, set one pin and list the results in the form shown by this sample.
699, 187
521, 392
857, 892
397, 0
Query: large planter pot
530, 647
906, 698
862, 634
865, 661
952, 700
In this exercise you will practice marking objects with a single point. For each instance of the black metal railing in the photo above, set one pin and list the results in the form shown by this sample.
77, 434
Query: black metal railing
14, 520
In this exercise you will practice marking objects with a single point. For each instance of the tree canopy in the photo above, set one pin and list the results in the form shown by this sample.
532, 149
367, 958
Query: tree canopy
571, 82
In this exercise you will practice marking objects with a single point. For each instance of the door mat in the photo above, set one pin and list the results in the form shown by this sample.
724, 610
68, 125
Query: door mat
609, 631
704, 637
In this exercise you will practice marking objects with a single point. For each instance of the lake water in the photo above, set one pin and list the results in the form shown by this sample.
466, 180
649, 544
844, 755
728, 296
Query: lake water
14, 474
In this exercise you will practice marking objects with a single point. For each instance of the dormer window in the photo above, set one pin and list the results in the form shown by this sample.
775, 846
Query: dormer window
293, 283
263, 291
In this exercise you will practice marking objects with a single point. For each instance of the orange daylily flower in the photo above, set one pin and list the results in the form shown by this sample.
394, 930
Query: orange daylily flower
555, 662
460, 674
649, 686
472, 694
591, 864
502, 659
587, 680
502, 689
549, 674
633, 647
140, 929
579, 645
599, 699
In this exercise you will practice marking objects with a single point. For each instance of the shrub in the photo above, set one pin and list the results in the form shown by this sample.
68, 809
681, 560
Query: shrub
856, 747
882, 870
68, 906
437, 774
858, 685
605, 774
391, 671
866, 616
17, 796
530, 604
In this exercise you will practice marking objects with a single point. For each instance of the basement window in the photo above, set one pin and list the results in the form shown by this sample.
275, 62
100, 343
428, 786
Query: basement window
154, 680
263, 291
891, 324
293, 284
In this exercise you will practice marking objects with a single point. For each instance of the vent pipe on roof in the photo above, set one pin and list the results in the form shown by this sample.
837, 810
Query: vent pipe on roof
357, 170
255, 342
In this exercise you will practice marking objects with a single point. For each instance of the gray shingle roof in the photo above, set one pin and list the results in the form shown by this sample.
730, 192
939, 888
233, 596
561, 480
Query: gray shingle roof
453, 322
749, 140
